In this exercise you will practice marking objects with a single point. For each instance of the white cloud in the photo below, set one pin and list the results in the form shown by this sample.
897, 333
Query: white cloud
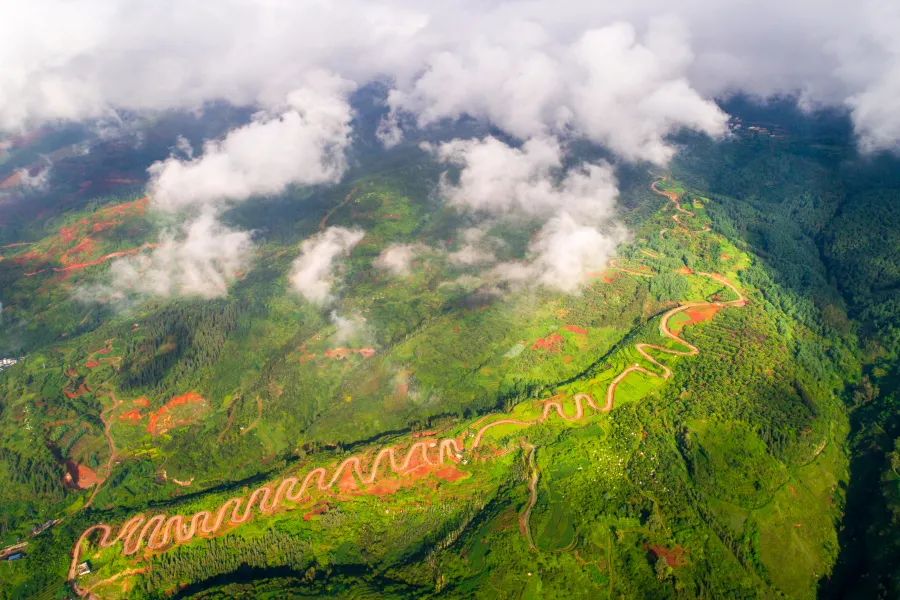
477, 248
563, 253
874, 108
65, 60
625, 74
350, 329
313, 272
303, 145
577, 207
201, 260
496, 179
397, 259
24, 179
606, 85
389, 132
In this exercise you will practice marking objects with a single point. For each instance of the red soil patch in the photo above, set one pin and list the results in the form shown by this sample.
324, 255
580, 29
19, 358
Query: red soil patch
143, 402
101, 260
421, 434
450, 473
674, 557
604, 276
685, 271
135, 207
577, 329
92, 364
132, 415
85, 246
319, 509
551, 343
30, 256
341, 353
68, 234
80, 476
419, 472
415, 463
103, 226
13, 181
91, 263
385, 487
163, 419
80, 391
348, 481
338, 353
699, 314
63, 248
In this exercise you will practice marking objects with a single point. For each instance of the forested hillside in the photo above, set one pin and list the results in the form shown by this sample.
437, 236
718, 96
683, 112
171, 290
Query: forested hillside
717, 402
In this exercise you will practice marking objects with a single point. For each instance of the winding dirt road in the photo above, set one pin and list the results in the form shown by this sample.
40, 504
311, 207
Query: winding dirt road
525, 517
675, 199
692, 350
113, 452
158, 532
161, 531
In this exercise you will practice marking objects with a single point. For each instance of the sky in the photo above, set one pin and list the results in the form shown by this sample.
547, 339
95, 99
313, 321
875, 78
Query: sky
623, 75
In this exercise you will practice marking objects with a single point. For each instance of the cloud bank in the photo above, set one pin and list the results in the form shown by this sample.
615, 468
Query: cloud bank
607, 85
199, 259
303, 144
313, 272
397, 259
576, 208
624, 74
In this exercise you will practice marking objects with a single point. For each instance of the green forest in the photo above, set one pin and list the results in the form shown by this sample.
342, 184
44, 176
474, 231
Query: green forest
742, 439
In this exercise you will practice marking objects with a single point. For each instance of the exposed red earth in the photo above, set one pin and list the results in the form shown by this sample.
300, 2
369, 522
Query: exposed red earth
68, 249
13, 181
551, 343
92, 263
133, 415
700, 314
81, 390
341, 353
80, 476
674, 557
166, 418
